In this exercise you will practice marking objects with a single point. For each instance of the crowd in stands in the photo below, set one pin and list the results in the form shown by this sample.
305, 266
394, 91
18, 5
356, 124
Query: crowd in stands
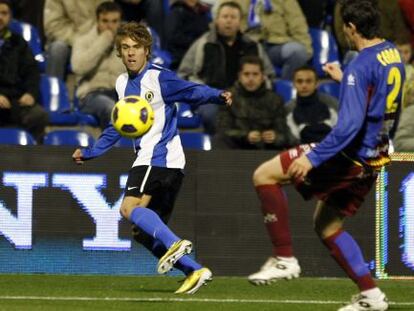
251, 47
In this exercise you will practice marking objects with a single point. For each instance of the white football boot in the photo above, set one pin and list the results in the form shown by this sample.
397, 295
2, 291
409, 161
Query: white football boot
361, 302
275, 269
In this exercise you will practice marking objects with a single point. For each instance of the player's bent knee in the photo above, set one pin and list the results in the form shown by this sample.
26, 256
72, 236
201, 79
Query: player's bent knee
324, 230
267, 173
130, 203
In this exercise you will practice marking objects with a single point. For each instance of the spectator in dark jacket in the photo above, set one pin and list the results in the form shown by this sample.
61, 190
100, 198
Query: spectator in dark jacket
19, 80
187, 20
214, 58
312, 114
256, 119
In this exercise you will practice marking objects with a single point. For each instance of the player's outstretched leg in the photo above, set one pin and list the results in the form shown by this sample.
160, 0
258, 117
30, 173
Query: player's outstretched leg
274, 205
347, 253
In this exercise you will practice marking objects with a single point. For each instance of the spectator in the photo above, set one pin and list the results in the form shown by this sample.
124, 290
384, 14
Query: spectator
187, 20
405, 50
96, 64
19, 81
257, 119
404, 139
214, 58
63, 19
282, 27
393, 27
312, 114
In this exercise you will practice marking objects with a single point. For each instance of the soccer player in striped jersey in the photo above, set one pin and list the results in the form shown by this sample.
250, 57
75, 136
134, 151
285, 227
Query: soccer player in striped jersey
342, 168
156, 174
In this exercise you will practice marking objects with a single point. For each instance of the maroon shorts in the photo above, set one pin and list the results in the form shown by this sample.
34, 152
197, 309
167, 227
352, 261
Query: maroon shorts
339, 182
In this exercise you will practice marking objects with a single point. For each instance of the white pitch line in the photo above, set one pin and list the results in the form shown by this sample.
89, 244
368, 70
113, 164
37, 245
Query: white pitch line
158, 299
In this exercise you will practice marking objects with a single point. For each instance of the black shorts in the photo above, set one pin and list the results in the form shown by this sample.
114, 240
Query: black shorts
163, 184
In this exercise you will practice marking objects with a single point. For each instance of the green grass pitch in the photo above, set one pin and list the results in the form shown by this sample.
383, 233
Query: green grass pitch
57, 292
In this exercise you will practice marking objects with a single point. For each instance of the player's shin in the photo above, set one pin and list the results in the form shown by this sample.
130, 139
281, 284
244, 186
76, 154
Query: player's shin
149, 222
345, 250
274, 207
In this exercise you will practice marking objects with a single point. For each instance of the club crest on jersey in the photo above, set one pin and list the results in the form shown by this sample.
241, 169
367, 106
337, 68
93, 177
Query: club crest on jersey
351, 79
149, 96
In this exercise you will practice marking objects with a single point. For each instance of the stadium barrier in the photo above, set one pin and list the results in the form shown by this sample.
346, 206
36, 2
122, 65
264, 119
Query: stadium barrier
56, 217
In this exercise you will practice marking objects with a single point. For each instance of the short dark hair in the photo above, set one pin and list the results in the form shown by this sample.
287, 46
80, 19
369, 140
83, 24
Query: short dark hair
306, 68
137, 32
8, 3
231, 4
251, 59
106, 7
364, 14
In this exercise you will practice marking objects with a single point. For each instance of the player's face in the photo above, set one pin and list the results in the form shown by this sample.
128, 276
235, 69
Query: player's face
109, 21
228, 21
251, 77
134, 55
5, 16
405, 51
305, 82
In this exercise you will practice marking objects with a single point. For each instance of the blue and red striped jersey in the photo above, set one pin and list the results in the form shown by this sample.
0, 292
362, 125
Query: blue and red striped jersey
369, 102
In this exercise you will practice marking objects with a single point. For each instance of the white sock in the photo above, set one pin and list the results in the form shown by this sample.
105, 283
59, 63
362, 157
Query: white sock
372, 293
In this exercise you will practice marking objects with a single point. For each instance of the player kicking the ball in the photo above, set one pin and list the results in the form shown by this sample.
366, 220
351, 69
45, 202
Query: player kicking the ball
156, 174
340, 170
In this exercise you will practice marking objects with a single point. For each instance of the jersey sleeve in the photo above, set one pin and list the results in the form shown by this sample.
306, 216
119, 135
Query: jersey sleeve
351, 116
174, 89
108, 138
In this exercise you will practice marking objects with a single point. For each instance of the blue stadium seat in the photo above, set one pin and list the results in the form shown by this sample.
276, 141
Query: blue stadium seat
195, 140
15, 136
68, 138
55, 99
186, 118
329, 87
31, 35
285, 89
325, 49
159, 56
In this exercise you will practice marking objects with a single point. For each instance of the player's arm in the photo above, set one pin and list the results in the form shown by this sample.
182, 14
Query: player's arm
108, 138
351, 116
175, 89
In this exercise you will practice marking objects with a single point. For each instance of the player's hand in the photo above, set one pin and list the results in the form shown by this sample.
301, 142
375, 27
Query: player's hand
4, 102
26, 100
77, 156
299, 167
268, 136
227, 97
254, 137
334, 70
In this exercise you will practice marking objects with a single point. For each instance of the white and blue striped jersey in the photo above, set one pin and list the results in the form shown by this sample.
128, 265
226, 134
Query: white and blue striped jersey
161, 145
